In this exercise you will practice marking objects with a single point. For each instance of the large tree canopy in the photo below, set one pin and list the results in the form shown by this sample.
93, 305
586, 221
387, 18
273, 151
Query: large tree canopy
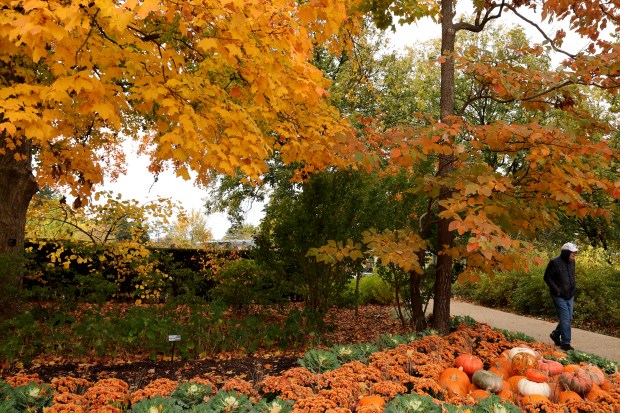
222, 86
203, 86
502, 174
504, 145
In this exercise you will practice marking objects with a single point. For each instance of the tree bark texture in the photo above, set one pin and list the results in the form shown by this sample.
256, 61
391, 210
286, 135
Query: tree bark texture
418, 318
445, 238
17, 187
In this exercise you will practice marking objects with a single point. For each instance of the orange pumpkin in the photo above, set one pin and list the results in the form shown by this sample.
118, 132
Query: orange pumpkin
596, 394
571, 367
536, 375
506, 385
469, 363
533, 398
502, 367
480, 394
371, 400
523, 361
551, 367
455, 381
607, 386
567, 396
514, 382
506, 393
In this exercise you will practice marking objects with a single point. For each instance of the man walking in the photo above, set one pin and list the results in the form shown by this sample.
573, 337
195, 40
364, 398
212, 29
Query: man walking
560, 277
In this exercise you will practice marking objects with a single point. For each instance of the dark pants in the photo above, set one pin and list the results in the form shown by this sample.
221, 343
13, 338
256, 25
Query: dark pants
564, 308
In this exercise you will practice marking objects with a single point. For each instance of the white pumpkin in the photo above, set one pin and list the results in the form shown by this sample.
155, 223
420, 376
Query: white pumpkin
529, 387
516, 350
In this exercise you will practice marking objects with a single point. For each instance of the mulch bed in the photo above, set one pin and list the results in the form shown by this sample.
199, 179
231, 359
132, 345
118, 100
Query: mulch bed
137, 374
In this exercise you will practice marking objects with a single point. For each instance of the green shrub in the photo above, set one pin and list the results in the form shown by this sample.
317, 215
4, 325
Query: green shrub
598, 290
12, 269
374, 290
491, 290
145, 329
21, 338
185, 282
94, 288
69, 272
531, 294
244, 282
462, 319
82, 272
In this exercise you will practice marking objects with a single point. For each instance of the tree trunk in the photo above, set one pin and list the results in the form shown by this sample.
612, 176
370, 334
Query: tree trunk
399, 307
358, 275
445, 239
418, 318
17, 186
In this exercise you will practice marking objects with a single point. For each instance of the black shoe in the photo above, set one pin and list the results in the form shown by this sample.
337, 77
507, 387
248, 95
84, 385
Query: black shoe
556, 339
566, 347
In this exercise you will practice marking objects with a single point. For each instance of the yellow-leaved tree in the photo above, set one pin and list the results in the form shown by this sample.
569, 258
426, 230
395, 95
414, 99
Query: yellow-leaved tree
202, 85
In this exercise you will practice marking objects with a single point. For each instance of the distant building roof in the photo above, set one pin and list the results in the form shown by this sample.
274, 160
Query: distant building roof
232, 243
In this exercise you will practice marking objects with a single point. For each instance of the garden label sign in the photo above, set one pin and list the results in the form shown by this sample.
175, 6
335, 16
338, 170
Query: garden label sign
173, 338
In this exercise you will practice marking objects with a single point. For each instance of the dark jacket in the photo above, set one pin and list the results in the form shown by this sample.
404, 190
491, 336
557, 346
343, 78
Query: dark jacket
560, 277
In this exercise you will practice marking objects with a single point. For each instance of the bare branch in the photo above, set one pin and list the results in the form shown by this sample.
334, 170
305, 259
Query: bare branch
541, 31
479, 25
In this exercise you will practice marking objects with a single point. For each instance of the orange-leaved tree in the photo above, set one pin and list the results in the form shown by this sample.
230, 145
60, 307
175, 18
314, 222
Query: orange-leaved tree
203, 86
496, 181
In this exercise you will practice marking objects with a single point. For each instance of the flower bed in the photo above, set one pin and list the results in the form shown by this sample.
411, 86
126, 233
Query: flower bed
423, 375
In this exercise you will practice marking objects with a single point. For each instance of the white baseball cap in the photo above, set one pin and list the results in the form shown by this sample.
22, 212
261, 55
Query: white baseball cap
570, 247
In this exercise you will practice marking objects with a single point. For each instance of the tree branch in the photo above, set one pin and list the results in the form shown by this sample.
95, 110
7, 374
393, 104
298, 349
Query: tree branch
541, 31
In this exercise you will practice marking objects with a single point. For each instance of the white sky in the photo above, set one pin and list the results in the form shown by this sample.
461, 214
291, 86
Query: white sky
139, 184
